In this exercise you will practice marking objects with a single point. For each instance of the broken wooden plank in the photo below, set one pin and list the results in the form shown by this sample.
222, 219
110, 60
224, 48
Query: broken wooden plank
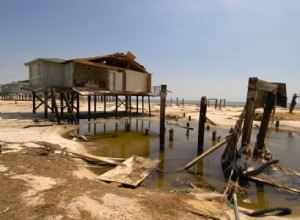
209, 151
210, 121
75, 152
131, 172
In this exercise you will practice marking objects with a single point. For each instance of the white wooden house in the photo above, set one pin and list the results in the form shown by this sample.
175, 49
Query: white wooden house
116, 73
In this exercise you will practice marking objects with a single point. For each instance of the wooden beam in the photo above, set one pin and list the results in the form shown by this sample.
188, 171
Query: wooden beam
75, 152
209, 151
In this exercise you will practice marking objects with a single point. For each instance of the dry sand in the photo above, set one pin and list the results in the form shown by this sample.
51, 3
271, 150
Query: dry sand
37, 184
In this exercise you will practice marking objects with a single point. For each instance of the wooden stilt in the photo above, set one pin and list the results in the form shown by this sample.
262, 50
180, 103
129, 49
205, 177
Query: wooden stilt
104, 109
117, 106
95, 103
137, 104
55, 105
143, 105
61, 104
78, 106
45, 104
73, 117
89, 107
149, 104
130, 106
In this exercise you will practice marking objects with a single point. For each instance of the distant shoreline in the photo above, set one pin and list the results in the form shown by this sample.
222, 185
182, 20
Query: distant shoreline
211, 102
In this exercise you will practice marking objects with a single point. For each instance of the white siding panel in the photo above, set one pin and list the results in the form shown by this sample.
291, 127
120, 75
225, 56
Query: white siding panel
136, 81
119, 81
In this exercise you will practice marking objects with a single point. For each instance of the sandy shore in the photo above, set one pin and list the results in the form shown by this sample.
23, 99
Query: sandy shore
42, 185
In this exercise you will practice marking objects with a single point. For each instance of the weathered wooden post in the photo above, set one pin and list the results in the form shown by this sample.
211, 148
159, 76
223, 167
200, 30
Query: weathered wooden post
146, 131
293, 103
177, 101
201, 126
163, 95
216, 103
260, 142
190, 117
187, 130
95, 103
277, 124
171, 134
171, 102
214, 135
33, 103
182, 102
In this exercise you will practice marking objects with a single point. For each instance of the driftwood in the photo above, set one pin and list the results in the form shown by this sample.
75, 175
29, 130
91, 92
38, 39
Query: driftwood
54, 147
209, 151
203, 214
39, 125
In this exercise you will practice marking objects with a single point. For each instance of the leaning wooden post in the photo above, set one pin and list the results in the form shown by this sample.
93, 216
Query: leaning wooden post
202, 118
260, 142
163, 95
209, 151
216, 103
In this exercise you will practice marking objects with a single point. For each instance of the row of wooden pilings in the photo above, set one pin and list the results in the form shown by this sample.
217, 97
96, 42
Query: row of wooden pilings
201, 125
222, 102
16, 97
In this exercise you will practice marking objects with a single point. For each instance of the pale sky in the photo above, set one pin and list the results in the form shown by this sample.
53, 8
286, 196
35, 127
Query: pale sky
197, 47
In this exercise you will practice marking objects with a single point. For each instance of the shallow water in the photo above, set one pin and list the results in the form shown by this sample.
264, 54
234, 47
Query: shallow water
114, 141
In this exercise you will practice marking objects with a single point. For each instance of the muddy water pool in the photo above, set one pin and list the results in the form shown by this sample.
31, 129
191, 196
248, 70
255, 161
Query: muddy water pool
114, 140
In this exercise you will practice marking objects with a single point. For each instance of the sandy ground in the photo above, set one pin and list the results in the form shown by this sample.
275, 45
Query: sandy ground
38, 184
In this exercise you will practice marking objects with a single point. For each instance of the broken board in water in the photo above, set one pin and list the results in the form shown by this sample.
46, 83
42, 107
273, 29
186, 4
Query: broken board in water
277, 176
131, 172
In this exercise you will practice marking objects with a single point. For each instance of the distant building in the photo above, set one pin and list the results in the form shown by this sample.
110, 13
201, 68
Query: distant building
15, 88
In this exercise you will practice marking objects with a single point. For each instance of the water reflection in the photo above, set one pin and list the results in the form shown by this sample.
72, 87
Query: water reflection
113, 139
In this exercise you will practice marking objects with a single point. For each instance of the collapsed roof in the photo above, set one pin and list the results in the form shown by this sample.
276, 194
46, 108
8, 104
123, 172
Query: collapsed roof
114, 61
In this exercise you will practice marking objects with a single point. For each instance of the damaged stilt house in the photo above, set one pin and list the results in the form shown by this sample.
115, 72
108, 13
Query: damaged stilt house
99, 78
